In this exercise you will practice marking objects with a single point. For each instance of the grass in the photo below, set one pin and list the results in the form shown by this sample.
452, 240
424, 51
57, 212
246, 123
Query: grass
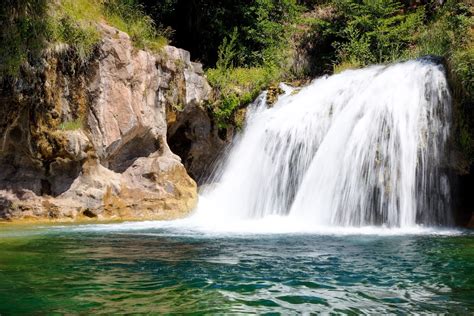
81, 35
30, 26
74, 22
71, 125
130, 18
345, 65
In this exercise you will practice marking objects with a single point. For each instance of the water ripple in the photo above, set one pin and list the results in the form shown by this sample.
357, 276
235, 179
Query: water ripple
151, 271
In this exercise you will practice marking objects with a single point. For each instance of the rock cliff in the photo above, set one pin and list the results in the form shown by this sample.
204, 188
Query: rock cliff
88, 139
192, 132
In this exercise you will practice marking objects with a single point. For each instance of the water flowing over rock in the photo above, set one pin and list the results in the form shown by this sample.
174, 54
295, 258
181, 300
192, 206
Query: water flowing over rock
364, 147
89, 138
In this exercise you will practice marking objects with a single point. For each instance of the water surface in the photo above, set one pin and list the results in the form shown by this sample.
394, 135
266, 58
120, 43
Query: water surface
161, 269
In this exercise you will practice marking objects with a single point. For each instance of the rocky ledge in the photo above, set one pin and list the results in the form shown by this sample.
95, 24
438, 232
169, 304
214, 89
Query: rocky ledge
88, 139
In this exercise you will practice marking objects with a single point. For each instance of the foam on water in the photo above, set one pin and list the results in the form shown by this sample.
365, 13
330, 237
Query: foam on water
199, 226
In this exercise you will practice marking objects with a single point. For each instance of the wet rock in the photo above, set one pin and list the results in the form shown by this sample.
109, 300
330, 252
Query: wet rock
273, 93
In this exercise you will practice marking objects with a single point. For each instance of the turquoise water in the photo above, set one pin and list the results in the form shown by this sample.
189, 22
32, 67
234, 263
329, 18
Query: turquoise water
83, 269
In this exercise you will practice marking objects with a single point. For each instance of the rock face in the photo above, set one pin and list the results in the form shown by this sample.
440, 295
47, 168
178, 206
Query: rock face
192, 133
89, 139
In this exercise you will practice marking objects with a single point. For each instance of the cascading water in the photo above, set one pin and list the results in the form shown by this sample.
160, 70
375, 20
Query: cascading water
364, 147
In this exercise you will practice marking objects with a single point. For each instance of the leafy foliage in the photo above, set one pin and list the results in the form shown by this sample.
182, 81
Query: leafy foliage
245, 44
22, 25
262, 26
238, 85
376, 31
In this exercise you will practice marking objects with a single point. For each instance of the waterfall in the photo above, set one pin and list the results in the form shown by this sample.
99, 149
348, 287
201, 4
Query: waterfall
363, 147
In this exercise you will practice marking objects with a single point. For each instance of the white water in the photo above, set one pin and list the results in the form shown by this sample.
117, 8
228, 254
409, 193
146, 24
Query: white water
361, 148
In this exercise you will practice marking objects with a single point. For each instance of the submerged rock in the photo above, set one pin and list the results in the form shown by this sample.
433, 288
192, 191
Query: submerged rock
88, 139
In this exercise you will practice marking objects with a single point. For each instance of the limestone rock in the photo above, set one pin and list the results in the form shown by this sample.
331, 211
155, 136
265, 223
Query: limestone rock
126, 118
195, 138
89, 140
192, 133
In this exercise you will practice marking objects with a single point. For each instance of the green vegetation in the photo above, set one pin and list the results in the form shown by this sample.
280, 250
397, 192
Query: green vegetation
129, 16
28, 26
71, 125
65, 27
252, 57
262, 26
237, 86
244, 45
75, 22
375, 31
248, 46
22, 25
364, 32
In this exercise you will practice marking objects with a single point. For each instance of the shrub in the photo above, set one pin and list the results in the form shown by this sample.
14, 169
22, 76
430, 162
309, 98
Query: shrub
237, 87
376, 31
201, 26
252, 56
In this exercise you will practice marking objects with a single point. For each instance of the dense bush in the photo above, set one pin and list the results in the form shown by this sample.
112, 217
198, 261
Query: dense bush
363, 32
237, 87
251, 57
376, 31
